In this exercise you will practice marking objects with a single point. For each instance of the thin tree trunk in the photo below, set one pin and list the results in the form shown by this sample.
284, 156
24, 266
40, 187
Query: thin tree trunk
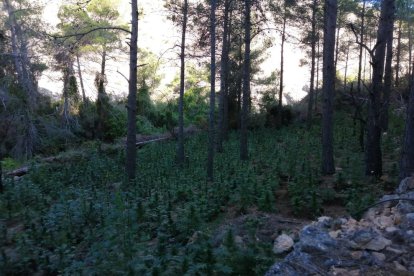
337, 47
132, 94
361, 39
180, 142
313, 61
346, 68
101, 101
65, 111
240, 83
410, 48
211, 134
317, 77
407, 155
282, 61
226, 96
373, 154
223, 77
244, 152
330, 14
81, 78
387, 79
1, 174
20, 58
398, 55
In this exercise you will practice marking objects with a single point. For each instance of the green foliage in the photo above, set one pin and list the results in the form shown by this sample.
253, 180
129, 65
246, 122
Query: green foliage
9, 163
83, 218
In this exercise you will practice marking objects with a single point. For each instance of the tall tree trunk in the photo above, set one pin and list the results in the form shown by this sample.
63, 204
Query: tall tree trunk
317, 76
226, 96
131, 153
25, 144
330, 13
346, 67
373, 154
223, 77
1, 174
398, 55
361, 39
180, 142
282, 65
313, 61
101, 100
81, 78
20, 57
337, 47
239, 83
407, 155
410, 48
244, 152
66, 87
387, 79
211, 134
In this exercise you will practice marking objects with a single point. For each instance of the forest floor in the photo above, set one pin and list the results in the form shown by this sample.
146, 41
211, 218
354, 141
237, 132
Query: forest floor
80, 215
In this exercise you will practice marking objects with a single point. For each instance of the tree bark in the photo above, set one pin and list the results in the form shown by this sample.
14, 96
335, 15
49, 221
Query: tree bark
398, 55
337, 47
101, 101
244, 153
373, 154
211, 134
361, 39
20, 57
180, 142
81, 78
317, 76
313, 61
226, 97
387, 78
282, 65
407, 155
330, 14
1, 174
346, 67
132, 94
223, 77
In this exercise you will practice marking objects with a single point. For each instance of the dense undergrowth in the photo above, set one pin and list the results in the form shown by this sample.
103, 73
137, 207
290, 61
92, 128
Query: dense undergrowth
81, 217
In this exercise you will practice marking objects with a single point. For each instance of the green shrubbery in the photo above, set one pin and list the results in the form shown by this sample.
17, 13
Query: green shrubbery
83, 218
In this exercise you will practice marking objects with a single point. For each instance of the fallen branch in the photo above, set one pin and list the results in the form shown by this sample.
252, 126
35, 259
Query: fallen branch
19, 172
143, 143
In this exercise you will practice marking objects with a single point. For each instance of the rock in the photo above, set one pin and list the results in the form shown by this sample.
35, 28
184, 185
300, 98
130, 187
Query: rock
362, 237
344, 272
406, 185
377, 244
383, 221
325, 221
399, 266
283, 244
391, 229
356, 255
379, 256
313, 239
405, 206
386, 212
334, 234
395, 250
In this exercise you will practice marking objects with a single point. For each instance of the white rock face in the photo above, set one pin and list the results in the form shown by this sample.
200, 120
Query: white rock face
283, 244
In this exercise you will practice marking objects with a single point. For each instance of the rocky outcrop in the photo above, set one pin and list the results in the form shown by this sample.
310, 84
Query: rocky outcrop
381, 243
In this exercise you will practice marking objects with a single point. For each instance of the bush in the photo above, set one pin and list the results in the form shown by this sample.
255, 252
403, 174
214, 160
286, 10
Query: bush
273, 116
